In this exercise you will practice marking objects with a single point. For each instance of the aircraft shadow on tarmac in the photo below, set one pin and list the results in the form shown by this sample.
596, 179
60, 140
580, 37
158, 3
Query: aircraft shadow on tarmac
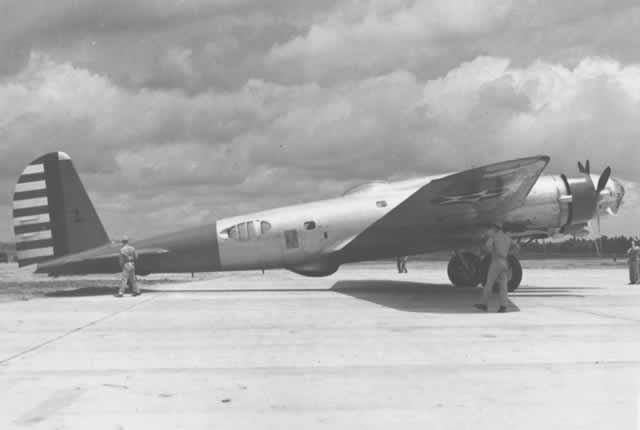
401, 295
415, 297
437, 298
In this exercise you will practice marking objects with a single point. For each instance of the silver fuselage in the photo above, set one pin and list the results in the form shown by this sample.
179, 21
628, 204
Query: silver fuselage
545, 213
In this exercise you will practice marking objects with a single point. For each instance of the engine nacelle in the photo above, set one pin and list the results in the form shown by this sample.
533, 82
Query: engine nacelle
557, 204
583, 202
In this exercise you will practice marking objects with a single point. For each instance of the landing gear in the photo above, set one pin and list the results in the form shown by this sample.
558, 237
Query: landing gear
468, 270
514, 275
464, 270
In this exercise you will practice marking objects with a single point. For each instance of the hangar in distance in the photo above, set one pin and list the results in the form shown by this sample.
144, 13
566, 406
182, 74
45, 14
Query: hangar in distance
58, 230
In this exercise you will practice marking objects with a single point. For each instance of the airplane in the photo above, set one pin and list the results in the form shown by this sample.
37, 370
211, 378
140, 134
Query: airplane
58, 230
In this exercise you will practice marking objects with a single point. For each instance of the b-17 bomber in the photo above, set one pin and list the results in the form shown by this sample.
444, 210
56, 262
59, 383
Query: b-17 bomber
59, 232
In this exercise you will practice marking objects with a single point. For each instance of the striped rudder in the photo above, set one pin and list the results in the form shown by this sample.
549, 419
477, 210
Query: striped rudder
52, 214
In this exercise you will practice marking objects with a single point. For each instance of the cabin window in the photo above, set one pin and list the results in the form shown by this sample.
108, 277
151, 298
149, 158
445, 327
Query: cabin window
245, 231
381, 203
291, 239
310, 225
251, 230
242, 231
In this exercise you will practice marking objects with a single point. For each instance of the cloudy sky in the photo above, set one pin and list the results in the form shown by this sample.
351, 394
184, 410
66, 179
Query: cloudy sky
178, 112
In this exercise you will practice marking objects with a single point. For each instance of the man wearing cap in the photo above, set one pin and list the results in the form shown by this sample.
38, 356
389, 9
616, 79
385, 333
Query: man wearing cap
499, 245
633, 258
128, 257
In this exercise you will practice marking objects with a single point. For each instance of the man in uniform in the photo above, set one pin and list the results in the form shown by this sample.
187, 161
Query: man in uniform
499, 245
633, 258
128, 257
401, 262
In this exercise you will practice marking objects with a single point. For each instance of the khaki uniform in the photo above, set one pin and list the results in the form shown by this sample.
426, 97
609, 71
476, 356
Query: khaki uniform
128, 257
633, 256
401, 262
499, 245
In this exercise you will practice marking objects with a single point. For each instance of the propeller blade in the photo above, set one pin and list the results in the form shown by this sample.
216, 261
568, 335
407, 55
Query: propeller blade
587, 168
580, 167
604, 178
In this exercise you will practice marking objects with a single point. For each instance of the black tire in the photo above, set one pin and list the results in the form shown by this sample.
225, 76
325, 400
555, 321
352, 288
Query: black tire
461, 275
515, 272
515, 269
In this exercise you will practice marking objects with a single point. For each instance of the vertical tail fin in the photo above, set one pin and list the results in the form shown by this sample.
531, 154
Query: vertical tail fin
52, 213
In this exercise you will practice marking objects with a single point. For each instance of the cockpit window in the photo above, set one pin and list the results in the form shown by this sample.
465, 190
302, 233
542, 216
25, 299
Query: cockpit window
245, 231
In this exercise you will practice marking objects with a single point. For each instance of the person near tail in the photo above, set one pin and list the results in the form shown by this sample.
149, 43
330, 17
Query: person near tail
499, 245
401, 262
128, 258
633, 258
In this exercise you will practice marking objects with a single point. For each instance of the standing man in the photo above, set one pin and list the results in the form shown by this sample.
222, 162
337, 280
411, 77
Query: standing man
401, 262
499, 245
633, 258
128, 258
404, 264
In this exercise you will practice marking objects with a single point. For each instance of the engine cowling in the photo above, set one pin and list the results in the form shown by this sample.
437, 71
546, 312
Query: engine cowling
557, 204
583, 202
585, 195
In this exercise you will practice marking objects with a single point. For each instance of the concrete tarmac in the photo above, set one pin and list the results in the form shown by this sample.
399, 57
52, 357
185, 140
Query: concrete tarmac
365, 348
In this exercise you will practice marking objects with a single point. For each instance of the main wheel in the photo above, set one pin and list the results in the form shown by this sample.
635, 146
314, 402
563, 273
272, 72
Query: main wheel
514, 276
465, 271
515, 273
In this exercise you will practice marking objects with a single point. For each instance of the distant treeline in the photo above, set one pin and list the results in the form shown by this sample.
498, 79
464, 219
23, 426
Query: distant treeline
617, 245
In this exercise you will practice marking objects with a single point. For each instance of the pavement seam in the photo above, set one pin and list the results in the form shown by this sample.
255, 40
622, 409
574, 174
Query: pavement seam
594, 313
75, 330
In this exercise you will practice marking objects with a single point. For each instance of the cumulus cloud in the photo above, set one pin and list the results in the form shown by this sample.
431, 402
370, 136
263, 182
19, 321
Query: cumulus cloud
589, 111
183, 112
366, 34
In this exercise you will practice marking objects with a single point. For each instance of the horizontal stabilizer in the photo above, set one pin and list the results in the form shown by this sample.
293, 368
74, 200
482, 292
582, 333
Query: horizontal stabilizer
104, 259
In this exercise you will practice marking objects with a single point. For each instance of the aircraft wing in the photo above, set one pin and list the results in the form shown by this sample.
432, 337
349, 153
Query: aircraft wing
479, 195
456, 205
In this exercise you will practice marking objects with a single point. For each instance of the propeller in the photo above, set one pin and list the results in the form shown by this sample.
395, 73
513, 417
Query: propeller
604, 178
585, 169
